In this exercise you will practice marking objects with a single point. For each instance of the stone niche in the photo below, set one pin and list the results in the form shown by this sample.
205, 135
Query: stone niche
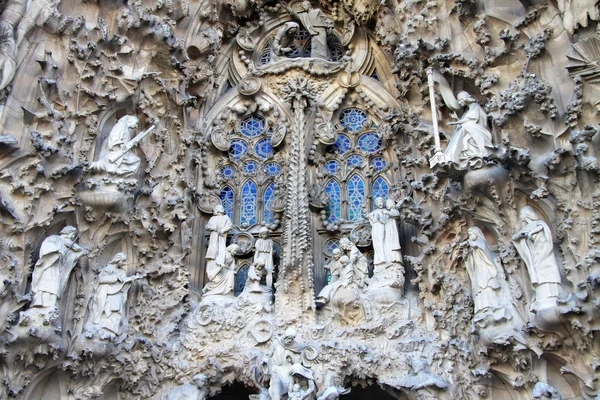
281, 200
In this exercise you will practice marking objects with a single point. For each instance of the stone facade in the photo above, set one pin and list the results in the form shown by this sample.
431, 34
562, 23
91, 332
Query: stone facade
299, 199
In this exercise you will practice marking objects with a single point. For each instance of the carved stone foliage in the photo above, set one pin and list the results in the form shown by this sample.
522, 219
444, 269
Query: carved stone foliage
302, 198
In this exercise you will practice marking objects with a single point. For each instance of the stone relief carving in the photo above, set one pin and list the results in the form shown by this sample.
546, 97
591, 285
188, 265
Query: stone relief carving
289, 122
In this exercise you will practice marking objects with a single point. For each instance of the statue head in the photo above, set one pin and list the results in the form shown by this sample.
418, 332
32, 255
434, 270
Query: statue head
475, 233
233, 249
289, 335
389, 204
292, 28
306, 6
200, 380
344, 260
336, 253
528, 215
296, 387
69, 232
219, 210
379, 202
119, 259
263, 233
345, 244
464, 98
259, 264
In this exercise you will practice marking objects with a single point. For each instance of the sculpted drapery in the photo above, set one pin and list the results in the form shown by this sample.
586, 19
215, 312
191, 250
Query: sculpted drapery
120, 135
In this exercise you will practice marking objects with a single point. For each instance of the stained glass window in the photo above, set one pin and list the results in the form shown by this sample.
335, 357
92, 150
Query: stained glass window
269, 198
375, 75
238, 149
370, 142
334, 209
250, 167
335, 47
353, 119
249, 197
263, 148
240, 280
355, 161
252, 125
273, 169
227, 200
380, 189
227, 172
378, 164
356, 198
332, 166
330, 246
342, 145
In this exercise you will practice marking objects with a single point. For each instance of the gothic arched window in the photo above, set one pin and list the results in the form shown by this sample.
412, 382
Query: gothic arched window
268, 199
334, 209
228, 200
249, 206
356, 198
380, 188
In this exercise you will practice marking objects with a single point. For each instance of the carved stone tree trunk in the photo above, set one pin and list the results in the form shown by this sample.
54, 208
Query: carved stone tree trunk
295, 293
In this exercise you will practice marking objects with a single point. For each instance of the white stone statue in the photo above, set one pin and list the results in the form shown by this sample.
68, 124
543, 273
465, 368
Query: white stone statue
58, 256
472, 140
218, 226
535, 246
194, 390
283, 40
358, 262
116, 156
318, 26
283, 353
488, 284
222, 275
384, 232
107, 308
264, 251
334, 266
255, 274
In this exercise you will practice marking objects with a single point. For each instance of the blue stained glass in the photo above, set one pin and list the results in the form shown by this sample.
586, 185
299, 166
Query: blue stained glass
238, 149
332, 166
263, 148
378, 164
330, 246
250, 167
356, 161
252, 125
240, 280
356, 198
342, 145
273, 169
375, 75
334, 209
227, 200
370, 142
268, 202
380, 189
353, 119
227, 172
249, 197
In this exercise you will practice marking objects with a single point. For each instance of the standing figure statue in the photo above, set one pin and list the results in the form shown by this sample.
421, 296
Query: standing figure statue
218, 226
472, 140
58, 256
384, 233
318, 26
107, 308
283, 354
222, 275
264, 251
358, 262
116, 155
535, 246
334, 268
283, 40
392, 237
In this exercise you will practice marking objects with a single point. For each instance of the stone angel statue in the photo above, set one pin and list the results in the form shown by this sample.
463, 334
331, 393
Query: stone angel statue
471, 141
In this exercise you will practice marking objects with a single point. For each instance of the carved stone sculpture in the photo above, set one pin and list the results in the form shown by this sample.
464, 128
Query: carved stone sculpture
116, 157
107, 308
535, 246
283, 40
264, 251
471, 142
384, 232
358, 262
221, 274
218, 226
318, 25
334, 267
283, 353
194, 390
58, 256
